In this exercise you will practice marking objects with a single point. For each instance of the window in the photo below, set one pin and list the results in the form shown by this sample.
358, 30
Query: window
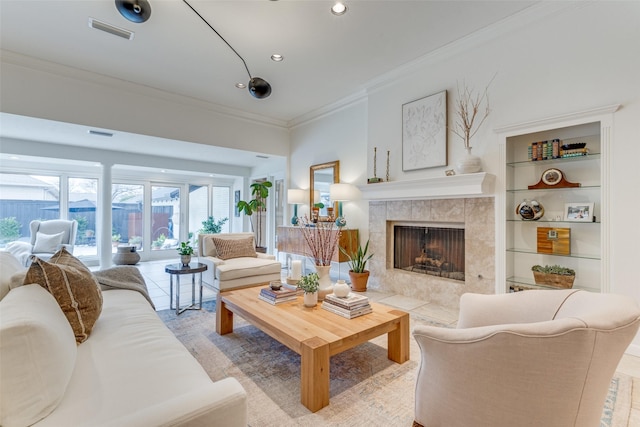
127, 202
24, 198
83, 196
165, 217
220, 208
198, 208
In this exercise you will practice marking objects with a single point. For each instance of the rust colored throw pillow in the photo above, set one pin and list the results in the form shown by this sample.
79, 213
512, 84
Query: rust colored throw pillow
74, 288
235, 248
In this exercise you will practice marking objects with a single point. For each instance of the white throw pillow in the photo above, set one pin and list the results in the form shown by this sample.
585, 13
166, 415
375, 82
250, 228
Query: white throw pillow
47, 243
37, 355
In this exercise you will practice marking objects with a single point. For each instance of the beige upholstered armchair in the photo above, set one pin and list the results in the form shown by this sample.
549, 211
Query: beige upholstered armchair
533, 358
46, 238
49, 236
233, 262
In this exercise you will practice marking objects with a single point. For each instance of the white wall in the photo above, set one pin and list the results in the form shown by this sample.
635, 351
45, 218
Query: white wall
341, 136
581, 57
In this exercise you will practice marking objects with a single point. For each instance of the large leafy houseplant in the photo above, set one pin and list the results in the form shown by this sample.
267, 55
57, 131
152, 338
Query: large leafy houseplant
260, 192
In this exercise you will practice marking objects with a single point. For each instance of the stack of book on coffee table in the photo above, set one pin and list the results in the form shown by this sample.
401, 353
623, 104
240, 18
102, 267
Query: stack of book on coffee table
277, 297
353, 305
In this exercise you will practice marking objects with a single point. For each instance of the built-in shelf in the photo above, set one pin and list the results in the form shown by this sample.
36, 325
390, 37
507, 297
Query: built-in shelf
466, 185
534, 252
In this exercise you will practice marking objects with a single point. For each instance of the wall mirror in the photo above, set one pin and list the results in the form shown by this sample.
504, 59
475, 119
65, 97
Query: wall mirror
321, 177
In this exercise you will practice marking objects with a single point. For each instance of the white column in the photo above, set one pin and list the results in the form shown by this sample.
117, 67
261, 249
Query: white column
104, 217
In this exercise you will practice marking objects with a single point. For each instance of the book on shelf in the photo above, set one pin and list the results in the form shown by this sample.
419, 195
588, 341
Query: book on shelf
348, 302
276, 301
349, 314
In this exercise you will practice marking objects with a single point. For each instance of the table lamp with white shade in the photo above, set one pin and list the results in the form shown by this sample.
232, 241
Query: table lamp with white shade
341, 193
296, 197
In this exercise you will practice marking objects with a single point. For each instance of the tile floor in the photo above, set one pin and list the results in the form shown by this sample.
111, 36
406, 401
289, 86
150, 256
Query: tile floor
158, 285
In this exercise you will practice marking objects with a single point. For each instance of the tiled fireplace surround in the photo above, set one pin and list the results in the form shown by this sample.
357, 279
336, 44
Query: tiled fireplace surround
478, 216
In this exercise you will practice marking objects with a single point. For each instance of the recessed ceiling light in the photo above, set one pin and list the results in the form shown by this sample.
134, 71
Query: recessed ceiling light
339, 9
241, 85
277, 57
14, 157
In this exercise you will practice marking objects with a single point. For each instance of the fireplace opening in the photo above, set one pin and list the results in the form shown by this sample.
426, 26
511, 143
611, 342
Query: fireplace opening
438, 251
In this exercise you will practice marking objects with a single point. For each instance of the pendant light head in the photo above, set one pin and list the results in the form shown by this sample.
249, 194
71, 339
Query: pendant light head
259, 88
137, 11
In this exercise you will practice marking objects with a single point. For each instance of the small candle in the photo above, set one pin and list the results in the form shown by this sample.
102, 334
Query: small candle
296, 269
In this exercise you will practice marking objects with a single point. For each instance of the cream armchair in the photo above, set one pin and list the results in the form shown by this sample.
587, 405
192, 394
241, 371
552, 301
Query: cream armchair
241, 267
533, 358
46, 238
49, 236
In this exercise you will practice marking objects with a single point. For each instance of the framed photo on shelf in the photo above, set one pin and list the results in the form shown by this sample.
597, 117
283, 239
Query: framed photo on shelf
582, 212
424, 132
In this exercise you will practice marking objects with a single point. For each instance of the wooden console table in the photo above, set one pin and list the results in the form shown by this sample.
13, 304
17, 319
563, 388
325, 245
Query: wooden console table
290, 240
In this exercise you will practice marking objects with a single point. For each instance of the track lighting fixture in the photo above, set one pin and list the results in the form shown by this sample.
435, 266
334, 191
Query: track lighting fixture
258, 87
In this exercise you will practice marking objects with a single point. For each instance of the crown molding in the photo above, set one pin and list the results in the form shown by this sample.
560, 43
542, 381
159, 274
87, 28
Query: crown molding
515, 22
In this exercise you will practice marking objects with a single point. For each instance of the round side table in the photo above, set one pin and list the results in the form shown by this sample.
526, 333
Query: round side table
177, 270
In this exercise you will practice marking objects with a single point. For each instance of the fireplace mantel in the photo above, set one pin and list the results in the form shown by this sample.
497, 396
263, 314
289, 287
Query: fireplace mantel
445, 187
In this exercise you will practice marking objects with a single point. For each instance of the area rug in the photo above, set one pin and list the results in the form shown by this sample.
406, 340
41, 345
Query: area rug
366, 388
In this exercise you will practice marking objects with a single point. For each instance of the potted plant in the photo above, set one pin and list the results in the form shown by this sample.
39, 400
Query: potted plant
315, 211
260, 192
136, 241
554, 275
185, 250
115, 240
358, 272
211, 226
310, 284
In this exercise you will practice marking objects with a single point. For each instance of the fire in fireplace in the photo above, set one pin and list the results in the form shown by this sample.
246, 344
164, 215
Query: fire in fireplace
438, 251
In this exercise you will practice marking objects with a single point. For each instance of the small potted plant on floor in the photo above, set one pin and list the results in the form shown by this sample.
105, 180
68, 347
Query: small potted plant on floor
310, 284
185, 250
358, 272
554, 275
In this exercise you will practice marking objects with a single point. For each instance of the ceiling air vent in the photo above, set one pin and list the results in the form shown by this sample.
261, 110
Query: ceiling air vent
100, 133
111, 29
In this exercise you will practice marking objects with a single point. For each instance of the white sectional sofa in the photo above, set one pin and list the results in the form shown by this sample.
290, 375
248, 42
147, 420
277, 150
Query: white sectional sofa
230, 271
131, 371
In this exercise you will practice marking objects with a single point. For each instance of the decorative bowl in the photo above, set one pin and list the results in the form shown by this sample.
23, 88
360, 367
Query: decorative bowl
275, 285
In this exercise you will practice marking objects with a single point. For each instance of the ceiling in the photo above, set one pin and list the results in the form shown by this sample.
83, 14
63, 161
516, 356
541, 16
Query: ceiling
326, 58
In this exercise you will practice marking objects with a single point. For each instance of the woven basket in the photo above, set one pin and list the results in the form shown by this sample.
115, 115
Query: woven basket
554, 280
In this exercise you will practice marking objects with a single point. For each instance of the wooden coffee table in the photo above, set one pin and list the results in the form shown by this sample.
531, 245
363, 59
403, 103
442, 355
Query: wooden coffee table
315, 334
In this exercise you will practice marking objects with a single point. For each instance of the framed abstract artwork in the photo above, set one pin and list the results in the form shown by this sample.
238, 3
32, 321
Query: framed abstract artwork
424, 132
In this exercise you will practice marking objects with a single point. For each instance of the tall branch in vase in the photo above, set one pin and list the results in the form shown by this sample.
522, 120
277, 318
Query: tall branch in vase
321, 239
468, 111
